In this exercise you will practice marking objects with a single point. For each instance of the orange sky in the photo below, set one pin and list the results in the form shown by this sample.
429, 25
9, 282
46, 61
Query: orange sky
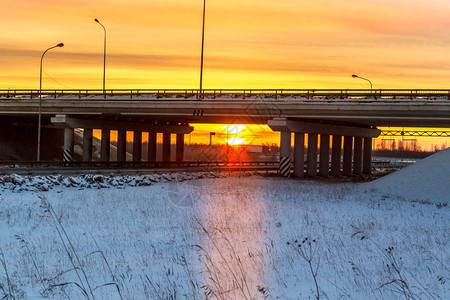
249, 43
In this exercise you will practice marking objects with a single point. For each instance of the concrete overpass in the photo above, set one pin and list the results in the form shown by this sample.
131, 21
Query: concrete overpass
352, 114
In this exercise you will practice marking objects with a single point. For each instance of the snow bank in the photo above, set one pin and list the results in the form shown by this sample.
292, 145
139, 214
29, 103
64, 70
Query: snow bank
17, 183
427, 180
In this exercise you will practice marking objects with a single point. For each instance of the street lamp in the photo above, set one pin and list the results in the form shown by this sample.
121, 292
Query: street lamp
210, 137
203, 45
40, 102
104, 54
356, 76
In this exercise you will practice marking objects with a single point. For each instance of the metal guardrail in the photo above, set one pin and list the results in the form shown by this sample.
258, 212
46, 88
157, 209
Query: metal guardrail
129, 164
78, 165
77, 168
34, 168
139, 94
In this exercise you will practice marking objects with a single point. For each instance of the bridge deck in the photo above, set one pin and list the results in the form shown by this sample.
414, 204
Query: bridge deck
417, 108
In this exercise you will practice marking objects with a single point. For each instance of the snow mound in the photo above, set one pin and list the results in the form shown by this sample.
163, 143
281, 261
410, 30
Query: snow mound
17, 183
427, 180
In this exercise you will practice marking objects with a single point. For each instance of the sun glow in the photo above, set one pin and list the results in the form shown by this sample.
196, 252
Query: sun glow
236, 141
235, 128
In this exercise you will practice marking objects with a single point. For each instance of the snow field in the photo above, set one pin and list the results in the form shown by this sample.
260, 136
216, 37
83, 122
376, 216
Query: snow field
230, 242
180, 237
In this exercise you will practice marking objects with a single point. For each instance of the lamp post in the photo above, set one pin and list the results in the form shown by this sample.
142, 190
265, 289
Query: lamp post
40, 102
210, 137
104, 54
203, 45
356, 76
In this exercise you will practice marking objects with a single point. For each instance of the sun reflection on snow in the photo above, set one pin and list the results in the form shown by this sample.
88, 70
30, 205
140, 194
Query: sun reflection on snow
232, 232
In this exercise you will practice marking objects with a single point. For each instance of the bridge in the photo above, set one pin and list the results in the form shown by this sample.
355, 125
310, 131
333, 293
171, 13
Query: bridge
350, 116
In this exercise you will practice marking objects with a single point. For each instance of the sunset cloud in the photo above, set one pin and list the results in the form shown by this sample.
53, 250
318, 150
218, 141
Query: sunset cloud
249, 43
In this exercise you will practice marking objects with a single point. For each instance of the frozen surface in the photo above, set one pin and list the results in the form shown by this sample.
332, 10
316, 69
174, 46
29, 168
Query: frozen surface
180, 237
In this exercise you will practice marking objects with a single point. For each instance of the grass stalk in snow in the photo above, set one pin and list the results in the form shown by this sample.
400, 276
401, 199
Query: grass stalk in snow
232, 264
397, 282
8, 294
307, 250
41, 280
114, 279
59, 228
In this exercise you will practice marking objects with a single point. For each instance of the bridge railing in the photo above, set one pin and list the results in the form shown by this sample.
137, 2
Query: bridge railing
210, 94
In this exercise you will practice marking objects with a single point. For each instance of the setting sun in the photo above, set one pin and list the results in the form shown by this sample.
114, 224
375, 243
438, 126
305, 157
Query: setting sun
236, 141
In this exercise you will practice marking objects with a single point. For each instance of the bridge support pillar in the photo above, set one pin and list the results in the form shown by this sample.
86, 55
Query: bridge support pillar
299, 154
166, 147
68, 145
285, 154
367, 157
325, 130
87, 144
357, 158
312, 155
105, 147
121, 145
151, 157
336, 155
137, 146
180, 147
347, 160
324, 169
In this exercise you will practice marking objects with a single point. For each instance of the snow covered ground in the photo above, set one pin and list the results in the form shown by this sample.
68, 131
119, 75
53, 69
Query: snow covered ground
251, 237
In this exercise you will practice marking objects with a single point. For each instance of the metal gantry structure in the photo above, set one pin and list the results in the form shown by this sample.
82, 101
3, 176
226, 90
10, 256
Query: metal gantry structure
415, 133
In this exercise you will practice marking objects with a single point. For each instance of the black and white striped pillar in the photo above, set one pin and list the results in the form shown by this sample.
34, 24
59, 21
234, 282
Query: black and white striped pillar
285, 154
68, 145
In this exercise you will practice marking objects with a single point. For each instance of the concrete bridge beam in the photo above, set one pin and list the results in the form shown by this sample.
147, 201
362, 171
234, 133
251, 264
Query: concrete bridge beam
105, 147
137, 146
66, 121
151, 157
311, 163
87, 144
324, 155
367, 157
336, 155
299, 154
166, 147
357, 157
283, 124
285, 154
121, 145
68, 145
347, 159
